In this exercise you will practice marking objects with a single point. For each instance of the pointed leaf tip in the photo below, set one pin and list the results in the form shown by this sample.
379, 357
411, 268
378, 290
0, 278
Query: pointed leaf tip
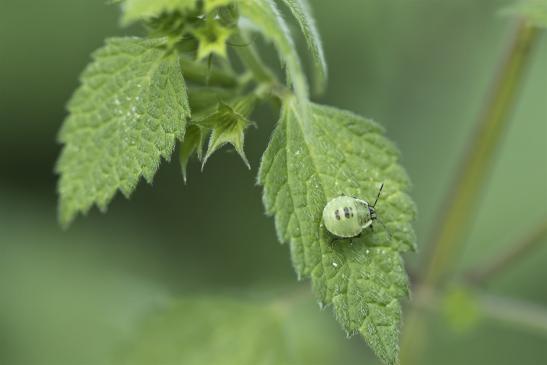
114, 134
308, 163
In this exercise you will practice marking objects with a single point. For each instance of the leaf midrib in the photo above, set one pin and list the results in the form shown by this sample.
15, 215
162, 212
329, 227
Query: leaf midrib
309, 147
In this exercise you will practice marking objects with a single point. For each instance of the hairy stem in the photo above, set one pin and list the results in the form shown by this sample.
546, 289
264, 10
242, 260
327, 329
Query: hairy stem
250, 58
461, 200
501, 262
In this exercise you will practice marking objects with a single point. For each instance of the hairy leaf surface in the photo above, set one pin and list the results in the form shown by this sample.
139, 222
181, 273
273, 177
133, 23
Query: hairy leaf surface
126, 115
306, 165
302, 13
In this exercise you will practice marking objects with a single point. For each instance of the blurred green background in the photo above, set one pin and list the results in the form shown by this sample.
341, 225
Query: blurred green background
419, 67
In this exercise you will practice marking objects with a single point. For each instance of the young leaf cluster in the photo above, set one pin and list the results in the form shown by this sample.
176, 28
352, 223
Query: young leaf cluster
141, 96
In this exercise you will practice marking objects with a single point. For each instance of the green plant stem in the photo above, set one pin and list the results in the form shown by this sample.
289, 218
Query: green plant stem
528, 316
523, 314
507, 258
459, 205
461, 200
250, 58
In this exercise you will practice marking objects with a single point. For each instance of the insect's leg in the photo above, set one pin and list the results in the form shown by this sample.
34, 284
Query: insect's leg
368, 224
334, 239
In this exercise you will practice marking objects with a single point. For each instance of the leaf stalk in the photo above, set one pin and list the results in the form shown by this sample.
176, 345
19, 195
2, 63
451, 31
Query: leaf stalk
461, 201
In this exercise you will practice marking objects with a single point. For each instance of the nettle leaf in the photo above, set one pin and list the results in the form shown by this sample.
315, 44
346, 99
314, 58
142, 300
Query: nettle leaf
193, 143
266, 17
134, 10
209, 331
211, 5
228, 125
306, 164
126, 115
302, 13
535, 11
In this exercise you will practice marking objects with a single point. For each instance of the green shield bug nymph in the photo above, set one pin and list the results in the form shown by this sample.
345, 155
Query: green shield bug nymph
347, 217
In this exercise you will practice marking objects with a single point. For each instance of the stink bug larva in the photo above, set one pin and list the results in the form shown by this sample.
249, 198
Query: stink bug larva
347, 217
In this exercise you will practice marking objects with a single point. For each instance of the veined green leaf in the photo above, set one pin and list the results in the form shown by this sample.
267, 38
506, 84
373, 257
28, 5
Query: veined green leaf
126, 115
265, 15
306, 165
134, 10
209, 331
302, 12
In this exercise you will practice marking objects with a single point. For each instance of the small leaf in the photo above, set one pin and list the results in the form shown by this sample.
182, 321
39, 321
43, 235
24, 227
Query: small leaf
228, 125
535, 11
193, 142
302, 13
309, 163
126, 115
212, 38
134, 10
266, 17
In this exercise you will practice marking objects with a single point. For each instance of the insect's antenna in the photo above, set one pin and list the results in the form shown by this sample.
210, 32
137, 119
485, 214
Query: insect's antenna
378, 196
239, 45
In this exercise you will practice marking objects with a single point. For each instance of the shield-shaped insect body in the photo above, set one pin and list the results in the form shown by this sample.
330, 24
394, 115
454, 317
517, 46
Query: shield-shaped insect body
347, 217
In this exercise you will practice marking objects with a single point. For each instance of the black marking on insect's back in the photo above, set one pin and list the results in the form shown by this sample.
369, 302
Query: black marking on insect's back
337, 214
346, 212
